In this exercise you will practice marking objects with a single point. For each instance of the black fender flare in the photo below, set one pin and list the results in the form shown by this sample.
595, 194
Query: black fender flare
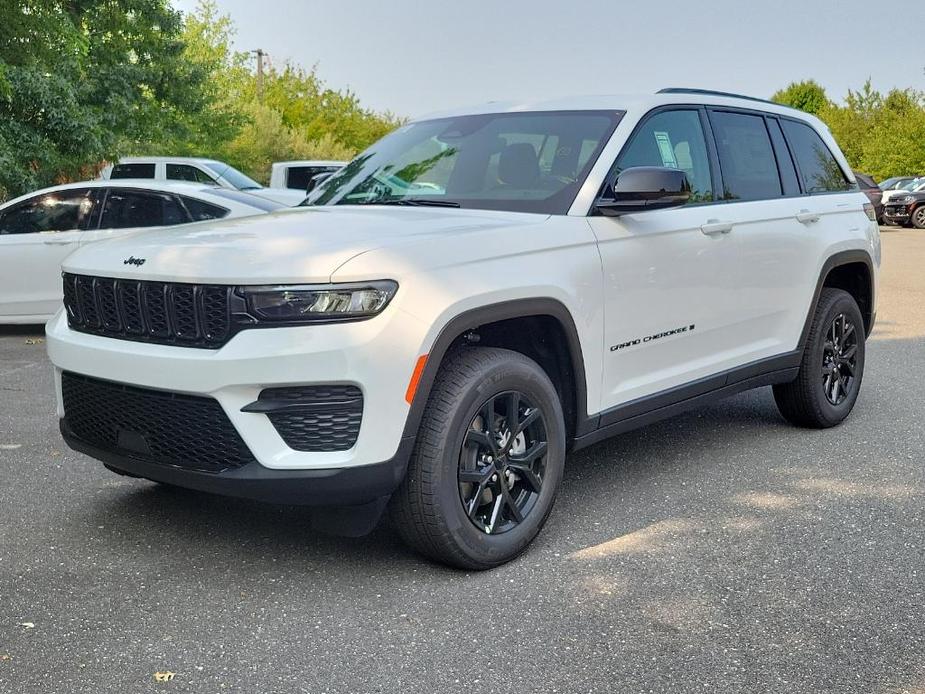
492, 313
832, 262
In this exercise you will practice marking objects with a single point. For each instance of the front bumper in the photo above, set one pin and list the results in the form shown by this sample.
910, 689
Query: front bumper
352, 486
377, 356
898, 213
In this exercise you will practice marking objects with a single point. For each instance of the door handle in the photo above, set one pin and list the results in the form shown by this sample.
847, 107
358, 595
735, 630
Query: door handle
59, 243
807, 217
715, 226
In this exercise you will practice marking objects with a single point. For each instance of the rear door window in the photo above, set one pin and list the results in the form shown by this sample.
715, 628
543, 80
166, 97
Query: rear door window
66, 210
125, 209
819, 170
132, 171
746, 157
186, 172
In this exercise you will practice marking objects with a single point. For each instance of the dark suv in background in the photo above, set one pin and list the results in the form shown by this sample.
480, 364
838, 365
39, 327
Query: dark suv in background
907, 209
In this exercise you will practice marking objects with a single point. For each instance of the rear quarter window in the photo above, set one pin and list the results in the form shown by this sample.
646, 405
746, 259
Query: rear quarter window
818, 168
200, 211
132, 171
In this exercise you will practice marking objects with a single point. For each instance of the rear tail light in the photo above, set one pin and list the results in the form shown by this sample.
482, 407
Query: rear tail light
871, 213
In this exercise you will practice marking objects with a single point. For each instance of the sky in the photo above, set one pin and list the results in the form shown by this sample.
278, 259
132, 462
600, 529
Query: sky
412, 57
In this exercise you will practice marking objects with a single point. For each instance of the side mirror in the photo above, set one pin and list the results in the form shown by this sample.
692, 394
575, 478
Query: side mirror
643, 188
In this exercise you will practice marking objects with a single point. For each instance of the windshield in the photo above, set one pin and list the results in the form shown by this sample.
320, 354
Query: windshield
522, 162
235, 177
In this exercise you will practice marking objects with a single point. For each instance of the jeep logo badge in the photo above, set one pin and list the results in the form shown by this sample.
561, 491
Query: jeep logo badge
132, 260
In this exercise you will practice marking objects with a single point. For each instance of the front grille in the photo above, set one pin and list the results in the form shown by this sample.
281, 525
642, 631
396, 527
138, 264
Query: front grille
185, 431
189, 315
315, 419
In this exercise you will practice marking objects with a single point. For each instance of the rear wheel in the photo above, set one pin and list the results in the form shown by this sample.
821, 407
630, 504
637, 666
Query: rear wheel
829, 379
488, 461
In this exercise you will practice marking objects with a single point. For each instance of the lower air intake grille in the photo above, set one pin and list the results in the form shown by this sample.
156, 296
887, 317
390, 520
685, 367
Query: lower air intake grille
168, 428
316, 419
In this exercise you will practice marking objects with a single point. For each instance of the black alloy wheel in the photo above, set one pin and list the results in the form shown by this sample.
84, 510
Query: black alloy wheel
839, 359
831, 366
487, 462
502, 462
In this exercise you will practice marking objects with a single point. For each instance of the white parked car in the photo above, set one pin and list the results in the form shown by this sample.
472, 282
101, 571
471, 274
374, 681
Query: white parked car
300, 175
196, 170
474, 296
38, 230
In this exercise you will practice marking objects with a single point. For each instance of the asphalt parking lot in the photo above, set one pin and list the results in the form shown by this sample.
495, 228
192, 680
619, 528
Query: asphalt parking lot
723, 551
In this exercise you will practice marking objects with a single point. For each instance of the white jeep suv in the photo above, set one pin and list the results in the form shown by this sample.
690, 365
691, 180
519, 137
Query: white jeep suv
469, 299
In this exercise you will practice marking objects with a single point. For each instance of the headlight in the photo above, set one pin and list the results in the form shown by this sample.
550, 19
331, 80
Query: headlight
318, 302
905, 199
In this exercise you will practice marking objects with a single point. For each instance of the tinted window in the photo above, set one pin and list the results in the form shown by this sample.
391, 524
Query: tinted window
62, 211
129, 208
788, 172
185, 172
200, 211
864, 180
132, 171
745, 156
501, 161
673, 139
299, 177
818, 168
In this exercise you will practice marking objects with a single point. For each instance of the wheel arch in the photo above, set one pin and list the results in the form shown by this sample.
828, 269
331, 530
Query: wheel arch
486, 326
853, 272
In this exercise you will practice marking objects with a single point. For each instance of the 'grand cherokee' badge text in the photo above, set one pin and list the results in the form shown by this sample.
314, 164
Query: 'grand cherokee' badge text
650, 338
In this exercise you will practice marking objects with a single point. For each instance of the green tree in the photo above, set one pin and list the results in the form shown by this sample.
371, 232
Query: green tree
895, 142
880, 135
807, 96
80, 80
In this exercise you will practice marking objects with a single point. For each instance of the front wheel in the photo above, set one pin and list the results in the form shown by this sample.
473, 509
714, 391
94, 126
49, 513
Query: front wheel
488, 461
829, 379
918, 217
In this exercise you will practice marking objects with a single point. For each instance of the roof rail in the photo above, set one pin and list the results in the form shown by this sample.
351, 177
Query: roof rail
710, 92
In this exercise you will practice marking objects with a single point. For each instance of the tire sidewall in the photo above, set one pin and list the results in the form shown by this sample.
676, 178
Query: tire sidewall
918, 217
842, 304
506, 376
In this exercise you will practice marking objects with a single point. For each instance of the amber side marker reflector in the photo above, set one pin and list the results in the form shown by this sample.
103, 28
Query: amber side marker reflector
415, 378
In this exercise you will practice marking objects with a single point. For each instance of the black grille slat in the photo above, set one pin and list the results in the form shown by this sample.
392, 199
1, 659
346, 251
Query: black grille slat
183, 302
86, 297
155, 310
71, 302
215, 313
130, 307
105, 290
159, 312
185, 431
323, 418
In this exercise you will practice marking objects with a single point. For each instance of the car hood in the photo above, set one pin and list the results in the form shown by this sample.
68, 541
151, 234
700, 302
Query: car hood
299, 245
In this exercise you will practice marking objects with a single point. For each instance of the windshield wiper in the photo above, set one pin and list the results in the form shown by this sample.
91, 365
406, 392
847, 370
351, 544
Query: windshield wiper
414, 202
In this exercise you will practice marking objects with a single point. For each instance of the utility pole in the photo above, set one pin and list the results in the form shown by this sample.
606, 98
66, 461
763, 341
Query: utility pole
260, 56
